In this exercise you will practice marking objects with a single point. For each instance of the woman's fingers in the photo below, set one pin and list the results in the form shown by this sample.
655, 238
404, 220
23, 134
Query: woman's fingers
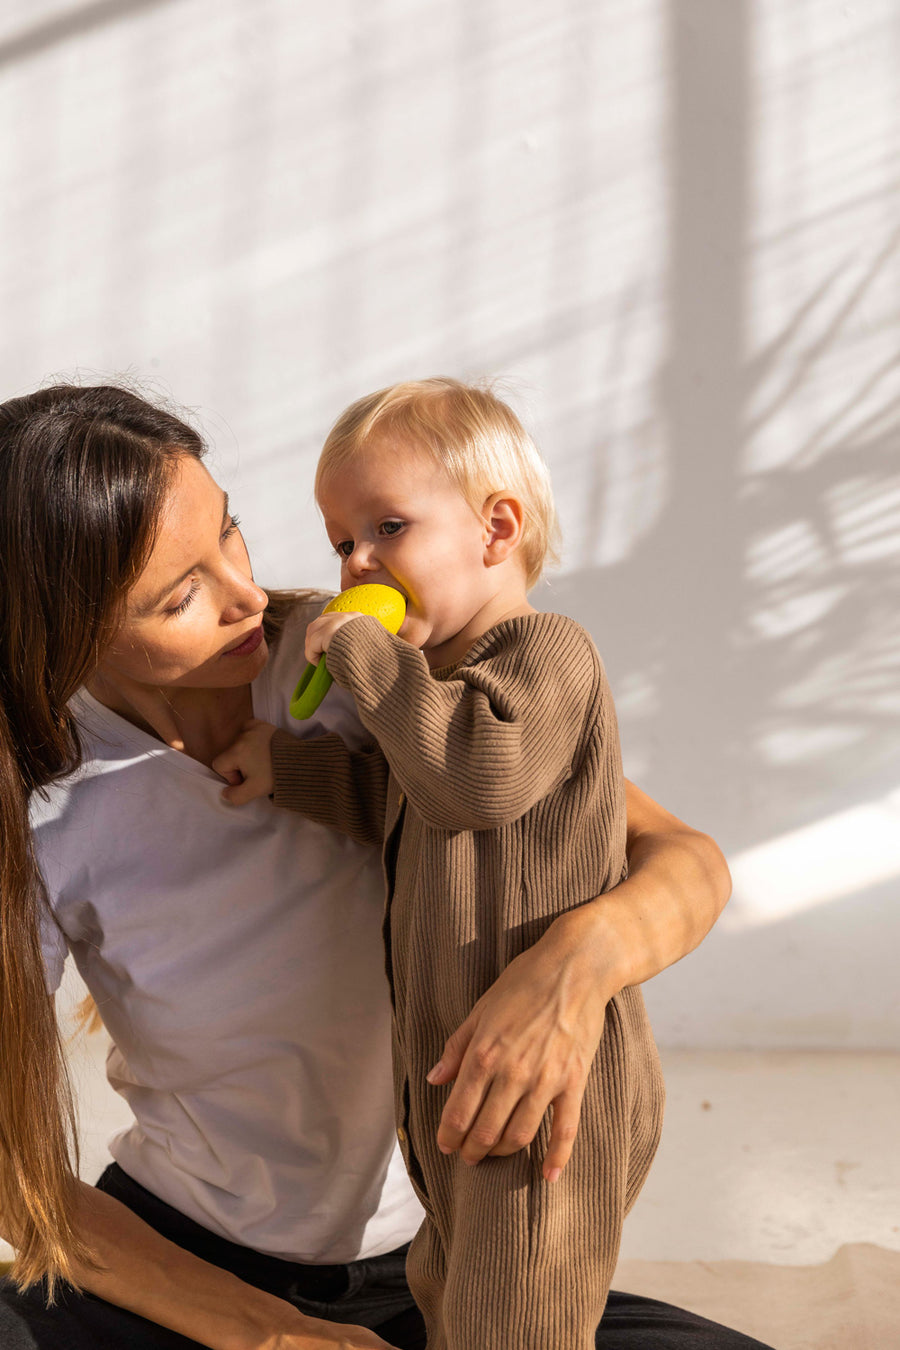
503, 1091
506, 1123
226, 765
566, 1117
460, 1112
509, 1119
525, 1122
449, 1064
319, 1335
527, 1045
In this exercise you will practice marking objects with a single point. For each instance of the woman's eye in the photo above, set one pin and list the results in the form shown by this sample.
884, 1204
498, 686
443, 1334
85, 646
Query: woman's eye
234, 524
188, 599
390, 527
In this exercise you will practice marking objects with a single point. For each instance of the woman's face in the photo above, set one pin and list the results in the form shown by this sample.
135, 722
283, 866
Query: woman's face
194, 616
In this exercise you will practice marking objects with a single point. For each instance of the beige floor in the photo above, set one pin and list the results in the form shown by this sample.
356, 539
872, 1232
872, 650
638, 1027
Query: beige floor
774, 1202
772, 1156
850, 1302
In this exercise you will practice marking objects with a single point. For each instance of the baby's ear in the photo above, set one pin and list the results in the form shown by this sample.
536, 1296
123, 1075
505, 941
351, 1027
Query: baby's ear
504, 518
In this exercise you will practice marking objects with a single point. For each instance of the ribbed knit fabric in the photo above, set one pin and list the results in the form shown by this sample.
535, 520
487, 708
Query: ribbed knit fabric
501, 804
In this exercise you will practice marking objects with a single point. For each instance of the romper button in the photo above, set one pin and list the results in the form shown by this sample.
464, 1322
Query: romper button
401, 1134
401, 800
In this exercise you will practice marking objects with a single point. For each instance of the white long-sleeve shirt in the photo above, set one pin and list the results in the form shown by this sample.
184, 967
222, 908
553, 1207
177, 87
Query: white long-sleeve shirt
235, 956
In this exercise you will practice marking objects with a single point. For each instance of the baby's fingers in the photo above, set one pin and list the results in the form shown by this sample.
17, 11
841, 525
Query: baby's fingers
314, 645
246, 791
227, 765
322, 630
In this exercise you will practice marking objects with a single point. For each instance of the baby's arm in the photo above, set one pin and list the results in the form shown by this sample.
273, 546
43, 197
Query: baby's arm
331, 784
316, 776
480, 749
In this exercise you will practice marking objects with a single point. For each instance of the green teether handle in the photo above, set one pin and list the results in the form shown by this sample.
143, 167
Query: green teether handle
314, 685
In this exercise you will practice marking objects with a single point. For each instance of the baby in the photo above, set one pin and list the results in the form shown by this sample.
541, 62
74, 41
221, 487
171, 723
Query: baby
495, 786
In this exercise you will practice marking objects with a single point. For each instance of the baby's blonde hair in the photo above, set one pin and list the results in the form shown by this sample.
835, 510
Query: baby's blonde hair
472, 435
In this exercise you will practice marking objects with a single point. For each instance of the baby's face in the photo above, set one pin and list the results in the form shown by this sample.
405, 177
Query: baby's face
394, 517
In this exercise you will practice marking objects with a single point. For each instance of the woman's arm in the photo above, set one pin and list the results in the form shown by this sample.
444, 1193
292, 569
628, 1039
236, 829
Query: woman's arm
530, 1040
145, 1273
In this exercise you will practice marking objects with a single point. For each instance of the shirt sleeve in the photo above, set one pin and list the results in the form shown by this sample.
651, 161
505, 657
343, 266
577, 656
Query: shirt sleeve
479, 749
327, 782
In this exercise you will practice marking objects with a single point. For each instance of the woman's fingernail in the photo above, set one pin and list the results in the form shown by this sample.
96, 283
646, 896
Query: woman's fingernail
433, 1074
554, 1174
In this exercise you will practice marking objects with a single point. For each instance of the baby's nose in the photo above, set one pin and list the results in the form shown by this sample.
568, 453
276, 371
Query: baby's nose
361, 561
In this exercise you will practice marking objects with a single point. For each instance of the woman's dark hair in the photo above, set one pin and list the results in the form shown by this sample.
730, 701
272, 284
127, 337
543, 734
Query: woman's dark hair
84, 473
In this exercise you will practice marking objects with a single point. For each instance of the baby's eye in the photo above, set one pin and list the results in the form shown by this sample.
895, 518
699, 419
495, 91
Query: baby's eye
344, 548
390, 527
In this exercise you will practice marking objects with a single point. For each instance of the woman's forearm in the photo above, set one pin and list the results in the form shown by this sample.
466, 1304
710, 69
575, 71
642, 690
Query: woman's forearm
678, 884
138, 1269
531, 1038
142, 1271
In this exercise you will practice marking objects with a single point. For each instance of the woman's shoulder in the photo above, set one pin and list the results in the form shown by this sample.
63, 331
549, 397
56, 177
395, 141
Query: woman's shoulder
285, 622
291, 610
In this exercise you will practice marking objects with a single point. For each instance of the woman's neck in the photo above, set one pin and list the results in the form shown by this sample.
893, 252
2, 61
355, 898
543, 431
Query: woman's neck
200, 723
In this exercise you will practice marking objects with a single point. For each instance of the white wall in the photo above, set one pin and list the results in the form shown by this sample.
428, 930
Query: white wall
670, 227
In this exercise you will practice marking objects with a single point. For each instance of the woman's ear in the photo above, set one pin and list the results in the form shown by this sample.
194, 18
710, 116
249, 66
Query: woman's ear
503, 520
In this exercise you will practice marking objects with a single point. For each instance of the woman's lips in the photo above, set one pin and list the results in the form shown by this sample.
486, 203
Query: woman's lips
249, 644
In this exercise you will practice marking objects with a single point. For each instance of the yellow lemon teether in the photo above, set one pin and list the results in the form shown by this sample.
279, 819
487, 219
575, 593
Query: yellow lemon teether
383, 603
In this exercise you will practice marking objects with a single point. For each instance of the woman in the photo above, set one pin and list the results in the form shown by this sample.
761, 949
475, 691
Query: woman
235, 957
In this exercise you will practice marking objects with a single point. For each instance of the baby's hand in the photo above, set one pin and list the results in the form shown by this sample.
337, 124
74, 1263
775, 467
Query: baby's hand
247, 765
322, 630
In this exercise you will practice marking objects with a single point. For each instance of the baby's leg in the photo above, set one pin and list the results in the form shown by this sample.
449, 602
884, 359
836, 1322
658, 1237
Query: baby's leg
520, 1263
426, 1273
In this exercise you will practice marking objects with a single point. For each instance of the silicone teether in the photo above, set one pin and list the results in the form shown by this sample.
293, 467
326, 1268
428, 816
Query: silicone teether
383, 603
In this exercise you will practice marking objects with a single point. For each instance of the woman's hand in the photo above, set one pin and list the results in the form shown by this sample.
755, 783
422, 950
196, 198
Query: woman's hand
326, 1336
527, 1044
529, 1041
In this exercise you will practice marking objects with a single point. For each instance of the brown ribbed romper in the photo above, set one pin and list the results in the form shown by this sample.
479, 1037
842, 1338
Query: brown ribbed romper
502, 807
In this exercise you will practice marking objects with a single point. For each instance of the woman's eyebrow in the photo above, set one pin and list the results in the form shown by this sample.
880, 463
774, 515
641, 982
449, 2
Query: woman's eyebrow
149, 605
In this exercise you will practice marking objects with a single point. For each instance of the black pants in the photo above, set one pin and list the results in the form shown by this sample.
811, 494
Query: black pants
370, 1293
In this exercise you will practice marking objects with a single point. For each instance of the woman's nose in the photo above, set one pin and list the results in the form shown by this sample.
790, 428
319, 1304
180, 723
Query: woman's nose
246, 599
